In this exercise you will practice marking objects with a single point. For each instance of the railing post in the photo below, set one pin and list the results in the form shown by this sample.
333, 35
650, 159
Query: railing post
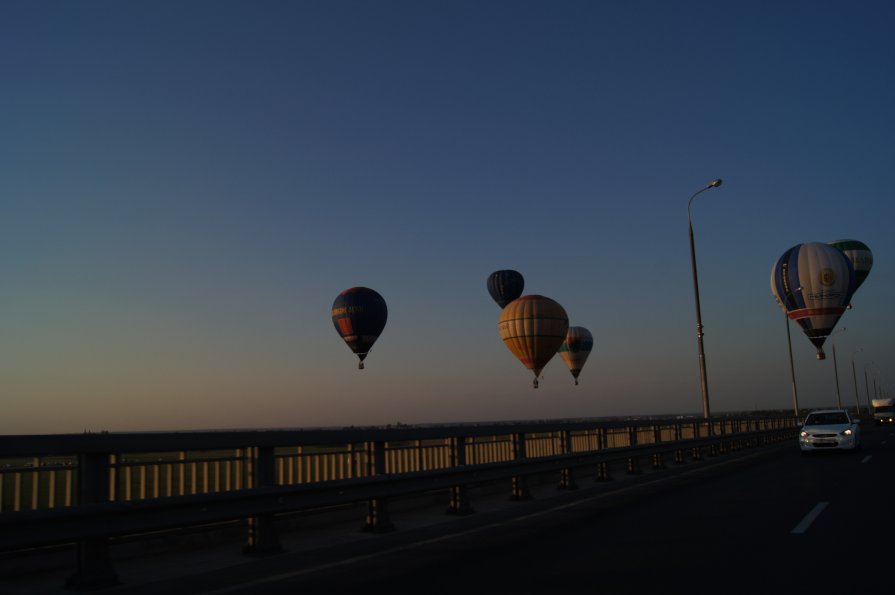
566, 475
603, 473
697, 434
520, 489
262, 538
658, 458
459, 503
94, 565
713, 446
378, 520
418, 461
724, 445
679, 457
633, 460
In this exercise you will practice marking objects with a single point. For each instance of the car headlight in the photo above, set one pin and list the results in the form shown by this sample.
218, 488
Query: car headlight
803, 433
847, 432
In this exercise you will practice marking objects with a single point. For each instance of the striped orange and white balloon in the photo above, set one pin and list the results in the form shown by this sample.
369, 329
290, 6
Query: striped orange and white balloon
533, 328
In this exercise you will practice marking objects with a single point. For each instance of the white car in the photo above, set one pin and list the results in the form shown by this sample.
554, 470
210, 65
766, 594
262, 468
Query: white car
830, 429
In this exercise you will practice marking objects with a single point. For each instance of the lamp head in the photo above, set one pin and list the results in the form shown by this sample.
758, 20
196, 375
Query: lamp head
714, 183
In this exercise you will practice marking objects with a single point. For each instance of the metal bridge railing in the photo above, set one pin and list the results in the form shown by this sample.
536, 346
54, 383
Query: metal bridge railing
89, 488
51, 481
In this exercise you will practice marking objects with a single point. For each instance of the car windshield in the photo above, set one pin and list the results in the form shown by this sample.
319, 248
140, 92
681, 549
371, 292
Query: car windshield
822, 419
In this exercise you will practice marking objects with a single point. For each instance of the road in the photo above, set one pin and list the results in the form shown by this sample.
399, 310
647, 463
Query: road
771, 521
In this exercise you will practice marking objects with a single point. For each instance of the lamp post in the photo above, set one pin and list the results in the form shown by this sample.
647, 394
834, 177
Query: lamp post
792, 368
855, 379
876, 388
836, 368
876, 379
867, 387
703, 379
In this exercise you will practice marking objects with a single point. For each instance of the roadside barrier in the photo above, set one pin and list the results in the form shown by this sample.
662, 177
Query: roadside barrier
88, 488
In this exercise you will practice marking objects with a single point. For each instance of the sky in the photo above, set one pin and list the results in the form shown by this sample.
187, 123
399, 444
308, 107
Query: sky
185, 188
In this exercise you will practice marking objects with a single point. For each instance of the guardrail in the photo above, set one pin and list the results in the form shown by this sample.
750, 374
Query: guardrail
89, 488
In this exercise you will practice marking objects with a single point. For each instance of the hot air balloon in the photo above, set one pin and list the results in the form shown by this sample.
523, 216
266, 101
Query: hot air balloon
813, 284
533, 327
505, 286
575, 349
359, 315
860, 256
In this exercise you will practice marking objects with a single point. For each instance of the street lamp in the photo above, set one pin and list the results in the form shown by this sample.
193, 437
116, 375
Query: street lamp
855, 379
876, 389
867, 386
836, 368
703, 379
792, 368
876, 379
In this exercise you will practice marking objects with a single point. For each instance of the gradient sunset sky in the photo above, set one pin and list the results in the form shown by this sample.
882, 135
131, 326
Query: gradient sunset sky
186, 186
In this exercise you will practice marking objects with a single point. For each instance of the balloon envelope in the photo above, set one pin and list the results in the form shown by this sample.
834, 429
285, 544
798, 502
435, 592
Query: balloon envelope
860, 256
575, 349
533, 327
813, 283
359, 315
505, 286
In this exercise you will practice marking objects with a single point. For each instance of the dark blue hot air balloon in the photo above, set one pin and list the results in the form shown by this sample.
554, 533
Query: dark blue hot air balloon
505, 286
359, 315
